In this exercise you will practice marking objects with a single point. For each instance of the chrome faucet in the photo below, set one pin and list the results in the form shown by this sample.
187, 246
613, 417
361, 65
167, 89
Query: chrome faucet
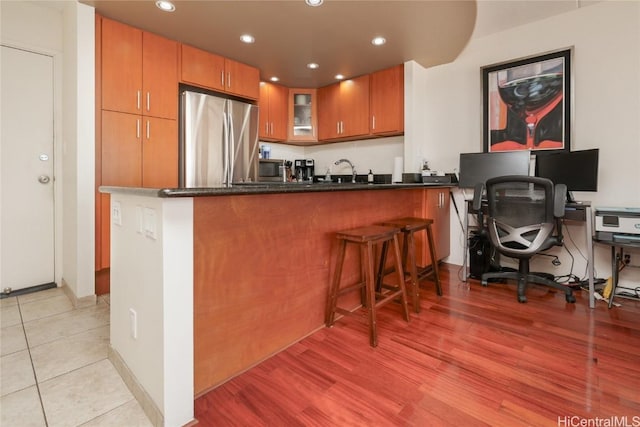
353, 168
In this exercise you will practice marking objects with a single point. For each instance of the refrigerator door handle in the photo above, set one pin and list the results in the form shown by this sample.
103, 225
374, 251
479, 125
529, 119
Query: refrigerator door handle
231, 145
226, 182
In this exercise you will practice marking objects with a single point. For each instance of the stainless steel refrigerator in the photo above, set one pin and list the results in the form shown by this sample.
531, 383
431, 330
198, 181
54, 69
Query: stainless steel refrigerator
219, 141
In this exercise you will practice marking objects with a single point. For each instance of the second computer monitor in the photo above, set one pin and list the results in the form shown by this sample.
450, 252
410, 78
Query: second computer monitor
578, 170
479, 167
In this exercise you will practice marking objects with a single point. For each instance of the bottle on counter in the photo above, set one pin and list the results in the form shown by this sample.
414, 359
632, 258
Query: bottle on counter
327, 175
370, 177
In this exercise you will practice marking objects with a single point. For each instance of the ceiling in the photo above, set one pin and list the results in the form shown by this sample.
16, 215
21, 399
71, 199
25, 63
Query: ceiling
337, 35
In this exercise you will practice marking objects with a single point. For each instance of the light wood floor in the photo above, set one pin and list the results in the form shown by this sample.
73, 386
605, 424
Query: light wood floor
474, 356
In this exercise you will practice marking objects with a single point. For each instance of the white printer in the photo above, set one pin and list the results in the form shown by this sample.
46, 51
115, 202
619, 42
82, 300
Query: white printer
618, 224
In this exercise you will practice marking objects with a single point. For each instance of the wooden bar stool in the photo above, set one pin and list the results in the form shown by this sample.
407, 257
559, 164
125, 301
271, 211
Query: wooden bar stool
366, 238
409, 226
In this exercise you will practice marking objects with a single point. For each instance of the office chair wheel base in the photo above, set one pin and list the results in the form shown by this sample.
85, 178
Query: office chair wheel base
485, 283
522, 299
570, 298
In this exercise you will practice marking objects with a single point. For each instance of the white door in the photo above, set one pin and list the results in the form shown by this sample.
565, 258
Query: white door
26, 178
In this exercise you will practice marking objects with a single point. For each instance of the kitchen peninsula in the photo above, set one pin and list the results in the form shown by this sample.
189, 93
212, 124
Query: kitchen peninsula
208, 282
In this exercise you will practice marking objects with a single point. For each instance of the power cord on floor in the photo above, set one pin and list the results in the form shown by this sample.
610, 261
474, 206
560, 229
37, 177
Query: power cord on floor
587, 266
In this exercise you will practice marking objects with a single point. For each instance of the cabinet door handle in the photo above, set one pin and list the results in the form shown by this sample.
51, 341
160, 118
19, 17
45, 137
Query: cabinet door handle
222, 78
271, 128
137, 128
148, 101
148, 130
137, 100
338, 128
373, 124
266, 128
341, 127
229, 79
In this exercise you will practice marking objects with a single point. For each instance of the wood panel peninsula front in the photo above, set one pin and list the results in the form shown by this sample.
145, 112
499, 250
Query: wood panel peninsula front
218, 280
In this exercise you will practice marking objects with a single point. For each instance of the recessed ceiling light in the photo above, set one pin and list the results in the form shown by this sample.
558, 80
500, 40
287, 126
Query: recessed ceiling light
339, 76
165, 5
313, 3
247, 38
378, 41
312, 65
274, 79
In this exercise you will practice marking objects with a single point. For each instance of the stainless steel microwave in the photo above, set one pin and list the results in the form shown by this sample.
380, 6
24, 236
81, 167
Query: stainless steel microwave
271, 170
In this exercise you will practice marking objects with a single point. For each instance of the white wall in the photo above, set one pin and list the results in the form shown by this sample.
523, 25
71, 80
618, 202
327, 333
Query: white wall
376, 154
66, 32
606, 62
158, 287
79, 148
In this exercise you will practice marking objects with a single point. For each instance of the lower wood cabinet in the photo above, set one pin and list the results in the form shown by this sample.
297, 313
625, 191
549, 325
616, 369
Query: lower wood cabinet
436, 207
159, 153
139, 151
121, 149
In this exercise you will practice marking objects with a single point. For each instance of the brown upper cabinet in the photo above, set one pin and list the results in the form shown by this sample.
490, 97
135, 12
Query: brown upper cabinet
303, 116
201, 68
139, 136
204, 69
343, 109
139, 71
273, 112
387, 101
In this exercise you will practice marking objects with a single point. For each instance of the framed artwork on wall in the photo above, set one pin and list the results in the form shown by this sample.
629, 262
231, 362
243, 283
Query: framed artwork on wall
526, 104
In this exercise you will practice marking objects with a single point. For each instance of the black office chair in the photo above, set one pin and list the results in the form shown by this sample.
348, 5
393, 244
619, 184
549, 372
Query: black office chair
523, 212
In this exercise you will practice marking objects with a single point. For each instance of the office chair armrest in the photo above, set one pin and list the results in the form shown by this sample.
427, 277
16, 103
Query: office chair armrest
477, 196
560, 198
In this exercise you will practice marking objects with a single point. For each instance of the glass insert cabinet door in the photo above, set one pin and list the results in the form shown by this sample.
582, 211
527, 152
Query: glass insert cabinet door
303, 115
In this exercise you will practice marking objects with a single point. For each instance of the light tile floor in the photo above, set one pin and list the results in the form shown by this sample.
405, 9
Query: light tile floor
54, 369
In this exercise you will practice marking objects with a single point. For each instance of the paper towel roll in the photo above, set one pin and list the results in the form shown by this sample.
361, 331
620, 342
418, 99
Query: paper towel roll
398, 168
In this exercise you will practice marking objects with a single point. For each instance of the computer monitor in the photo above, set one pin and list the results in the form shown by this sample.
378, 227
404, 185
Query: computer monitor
479, 167
578, 170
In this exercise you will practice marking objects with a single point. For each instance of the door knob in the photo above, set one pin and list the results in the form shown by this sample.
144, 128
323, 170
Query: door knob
44, 179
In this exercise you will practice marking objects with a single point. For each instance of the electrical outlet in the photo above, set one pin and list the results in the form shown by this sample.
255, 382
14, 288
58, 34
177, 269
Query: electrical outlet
133, 323
631, 259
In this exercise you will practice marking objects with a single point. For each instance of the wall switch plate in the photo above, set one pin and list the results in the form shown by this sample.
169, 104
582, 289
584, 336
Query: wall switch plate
133, 323
149, 221
139, 220
116, 213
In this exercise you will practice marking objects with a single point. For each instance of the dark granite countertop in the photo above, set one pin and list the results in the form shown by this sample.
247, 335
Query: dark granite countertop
262, 188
